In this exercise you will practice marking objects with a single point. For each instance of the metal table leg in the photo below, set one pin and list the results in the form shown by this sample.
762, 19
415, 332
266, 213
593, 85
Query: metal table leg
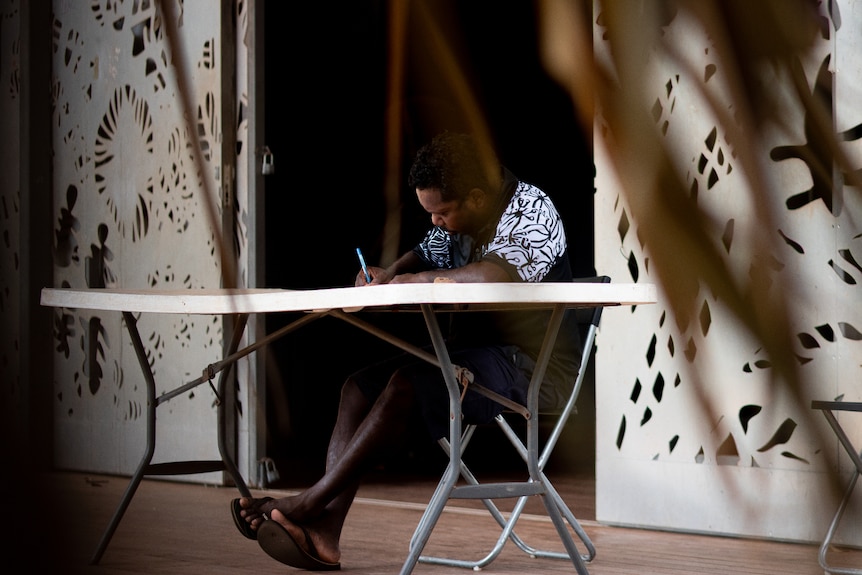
444, 489
146, 467
538, 484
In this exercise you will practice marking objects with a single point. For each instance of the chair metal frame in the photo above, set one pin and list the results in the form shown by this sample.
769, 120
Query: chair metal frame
827, 407
535, 459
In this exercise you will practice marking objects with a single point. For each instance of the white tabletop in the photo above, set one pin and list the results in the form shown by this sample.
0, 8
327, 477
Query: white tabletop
226, 301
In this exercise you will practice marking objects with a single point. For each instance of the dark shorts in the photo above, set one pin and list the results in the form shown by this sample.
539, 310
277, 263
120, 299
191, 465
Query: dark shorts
492, 367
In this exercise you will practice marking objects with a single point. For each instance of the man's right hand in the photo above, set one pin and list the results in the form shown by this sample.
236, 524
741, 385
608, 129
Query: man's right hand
378, 276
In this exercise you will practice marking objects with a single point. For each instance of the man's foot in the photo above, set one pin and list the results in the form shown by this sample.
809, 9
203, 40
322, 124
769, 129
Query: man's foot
303, 547
248, 514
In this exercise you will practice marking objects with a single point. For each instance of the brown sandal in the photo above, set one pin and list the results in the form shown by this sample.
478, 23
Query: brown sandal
244, 526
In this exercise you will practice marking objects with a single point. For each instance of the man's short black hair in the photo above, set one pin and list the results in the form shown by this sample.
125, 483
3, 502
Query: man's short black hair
455, 164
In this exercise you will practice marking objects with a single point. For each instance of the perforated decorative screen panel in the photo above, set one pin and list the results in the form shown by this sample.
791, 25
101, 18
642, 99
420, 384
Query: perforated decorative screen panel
695, 430
135, 210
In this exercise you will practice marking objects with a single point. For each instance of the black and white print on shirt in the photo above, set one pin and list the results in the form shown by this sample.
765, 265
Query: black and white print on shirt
530, 234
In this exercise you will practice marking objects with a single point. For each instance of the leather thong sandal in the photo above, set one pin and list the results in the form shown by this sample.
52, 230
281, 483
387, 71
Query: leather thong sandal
274, 539
240, 522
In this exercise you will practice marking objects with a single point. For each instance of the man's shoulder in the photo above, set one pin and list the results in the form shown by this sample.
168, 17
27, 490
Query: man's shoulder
530, 198
530, 192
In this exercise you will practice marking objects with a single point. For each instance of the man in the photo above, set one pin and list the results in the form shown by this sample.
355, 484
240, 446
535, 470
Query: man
487, 227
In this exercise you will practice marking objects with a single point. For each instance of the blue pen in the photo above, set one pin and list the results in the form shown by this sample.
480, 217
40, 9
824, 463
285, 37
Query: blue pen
364, 267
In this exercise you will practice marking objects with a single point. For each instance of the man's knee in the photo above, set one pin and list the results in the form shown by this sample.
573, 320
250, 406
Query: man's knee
401, 387
352, 394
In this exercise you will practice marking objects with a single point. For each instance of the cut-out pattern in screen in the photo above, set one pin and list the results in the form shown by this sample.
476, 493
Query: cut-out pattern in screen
816, 154
124, 138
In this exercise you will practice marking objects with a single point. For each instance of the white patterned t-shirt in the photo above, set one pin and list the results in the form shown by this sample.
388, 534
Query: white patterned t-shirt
528, 241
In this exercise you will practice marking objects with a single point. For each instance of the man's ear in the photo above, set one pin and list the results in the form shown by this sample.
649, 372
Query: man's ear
478, 197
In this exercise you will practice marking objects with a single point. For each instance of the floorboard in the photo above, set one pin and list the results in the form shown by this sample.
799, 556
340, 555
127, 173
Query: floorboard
183, 528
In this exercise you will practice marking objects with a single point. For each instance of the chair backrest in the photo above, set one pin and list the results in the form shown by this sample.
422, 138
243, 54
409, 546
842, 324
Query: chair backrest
588, 320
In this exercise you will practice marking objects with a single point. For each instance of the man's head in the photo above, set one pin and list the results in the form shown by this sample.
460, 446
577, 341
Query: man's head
456, 181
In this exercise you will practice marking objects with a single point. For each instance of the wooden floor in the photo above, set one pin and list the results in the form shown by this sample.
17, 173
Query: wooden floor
182, 528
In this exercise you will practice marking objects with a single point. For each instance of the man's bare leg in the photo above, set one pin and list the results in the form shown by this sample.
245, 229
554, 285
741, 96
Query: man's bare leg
360, 434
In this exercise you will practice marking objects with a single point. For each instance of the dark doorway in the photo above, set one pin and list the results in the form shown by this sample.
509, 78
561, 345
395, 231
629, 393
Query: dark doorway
326, 75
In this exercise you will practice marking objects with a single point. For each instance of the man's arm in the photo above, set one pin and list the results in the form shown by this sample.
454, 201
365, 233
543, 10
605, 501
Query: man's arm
410, 268
477, 272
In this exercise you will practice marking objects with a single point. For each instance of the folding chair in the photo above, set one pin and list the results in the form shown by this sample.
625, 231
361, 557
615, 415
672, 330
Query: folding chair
588, 322
827, 407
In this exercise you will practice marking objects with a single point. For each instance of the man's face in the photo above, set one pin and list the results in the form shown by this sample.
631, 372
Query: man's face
459, 216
